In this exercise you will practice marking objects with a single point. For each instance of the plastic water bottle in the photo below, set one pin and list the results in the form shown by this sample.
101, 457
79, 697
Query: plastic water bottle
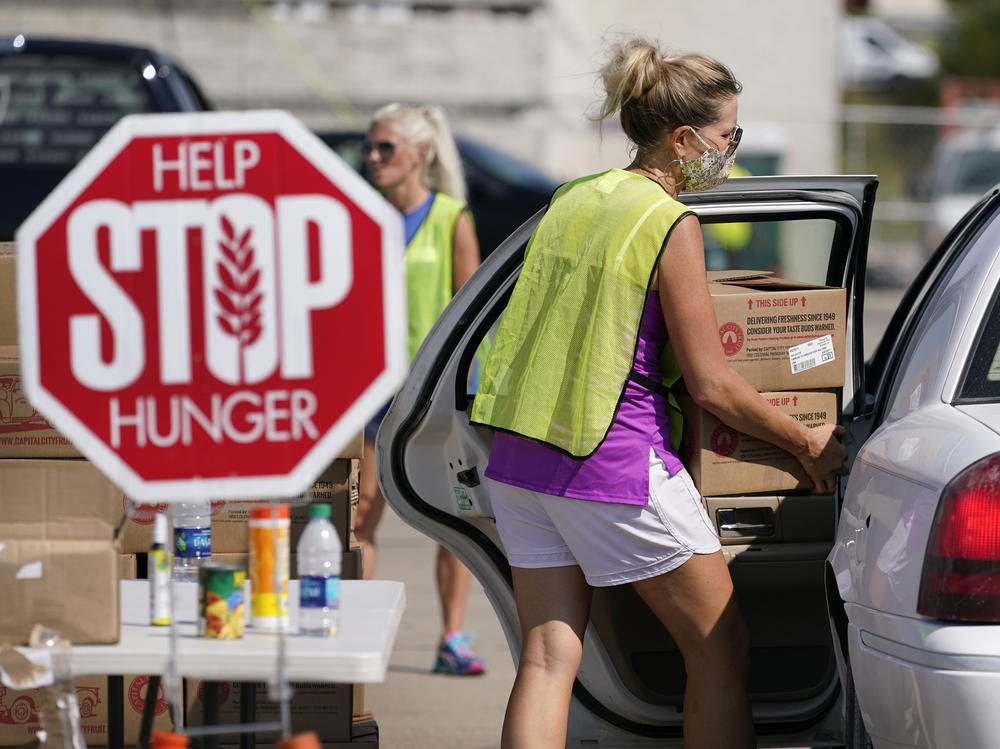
192, 538
319, 553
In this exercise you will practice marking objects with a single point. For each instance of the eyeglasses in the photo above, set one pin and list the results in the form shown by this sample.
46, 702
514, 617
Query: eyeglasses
386, 149
733, 139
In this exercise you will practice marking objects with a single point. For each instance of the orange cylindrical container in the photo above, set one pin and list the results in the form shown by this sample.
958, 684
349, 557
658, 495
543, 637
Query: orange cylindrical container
269, 528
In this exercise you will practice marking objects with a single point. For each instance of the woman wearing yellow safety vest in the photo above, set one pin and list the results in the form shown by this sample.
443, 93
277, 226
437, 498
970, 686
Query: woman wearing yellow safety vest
584, 484
412, 158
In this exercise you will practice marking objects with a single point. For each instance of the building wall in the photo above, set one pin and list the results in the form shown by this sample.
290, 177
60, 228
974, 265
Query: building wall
518, 73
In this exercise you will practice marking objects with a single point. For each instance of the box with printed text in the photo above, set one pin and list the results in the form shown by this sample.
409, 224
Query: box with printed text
23, 712
780, 334
25, 433
724, 461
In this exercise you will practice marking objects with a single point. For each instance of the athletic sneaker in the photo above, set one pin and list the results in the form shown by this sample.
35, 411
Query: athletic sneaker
454, 657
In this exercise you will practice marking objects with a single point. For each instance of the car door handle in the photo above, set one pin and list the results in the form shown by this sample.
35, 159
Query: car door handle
747, 529
752, 526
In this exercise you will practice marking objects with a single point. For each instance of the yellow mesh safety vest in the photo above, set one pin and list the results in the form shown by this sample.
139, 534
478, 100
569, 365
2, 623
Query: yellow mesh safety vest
428, 263
567, 340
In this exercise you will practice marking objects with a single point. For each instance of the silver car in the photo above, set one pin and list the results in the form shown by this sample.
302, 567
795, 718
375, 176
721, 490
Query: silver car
854, 628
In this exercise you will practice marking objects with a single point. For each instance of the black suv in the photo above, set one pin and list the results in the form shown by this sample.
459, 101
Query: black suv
59, 96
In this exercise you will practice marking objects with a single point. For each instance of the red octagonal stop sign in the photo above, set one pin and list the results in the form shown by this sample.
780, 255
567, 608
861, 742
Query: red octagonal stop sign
211, 305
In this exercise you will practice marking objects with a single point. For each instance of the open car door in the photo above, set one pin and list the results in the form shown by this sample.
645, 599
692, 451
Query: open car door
629, 691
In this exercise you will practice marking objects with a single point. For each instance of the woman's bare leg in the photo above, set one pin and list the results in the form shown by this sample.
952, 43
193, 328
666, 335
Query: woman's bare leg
371, 503
696, 604
553, 605
453, 580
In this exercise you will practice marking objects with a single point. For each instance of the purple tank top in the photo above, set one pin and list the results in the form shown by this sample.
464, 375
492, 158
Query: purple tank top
618, 471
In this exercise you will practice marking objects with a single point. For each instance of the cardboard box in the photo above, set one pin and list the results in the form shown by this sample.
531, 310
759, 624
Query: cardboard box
723, 461
323, 708
21, 711
58, 559
25, 433
337, 486
128, 566
773, 331
364, 733
8, 297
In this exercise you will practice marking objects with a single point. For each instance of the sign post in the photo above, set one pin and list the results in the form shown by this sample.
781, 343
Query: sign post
211, 305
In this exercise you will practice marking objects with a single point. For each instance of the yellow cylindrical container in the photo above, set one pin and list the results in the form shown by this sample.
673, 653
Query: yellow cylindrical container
270, 528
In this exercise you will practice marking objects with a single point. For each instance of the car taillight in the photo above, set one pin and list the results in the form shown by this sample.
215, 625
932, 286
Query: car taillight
961, 575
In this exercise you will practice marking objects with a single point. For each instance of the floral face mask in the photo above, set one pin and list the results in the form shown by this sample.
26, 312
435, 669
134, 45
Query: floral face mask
710, 169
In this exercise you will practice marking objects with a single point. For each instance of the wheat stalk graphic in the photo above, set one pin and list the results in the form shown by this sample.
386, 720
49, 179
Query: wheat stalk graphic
237, 292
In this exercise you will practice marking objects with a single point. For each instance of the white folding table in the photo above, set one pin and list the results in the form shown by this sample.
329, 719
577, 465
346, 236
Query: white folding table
370, 611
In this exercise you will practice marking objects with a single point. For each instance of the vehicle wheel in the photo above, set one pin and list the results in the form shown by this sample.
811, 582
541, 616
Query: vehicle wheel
854, 726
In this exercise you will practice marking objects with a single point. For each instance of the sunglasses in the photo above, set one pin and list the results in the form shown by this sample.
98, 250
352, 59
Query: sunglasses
734, 140
734, 137
386, 149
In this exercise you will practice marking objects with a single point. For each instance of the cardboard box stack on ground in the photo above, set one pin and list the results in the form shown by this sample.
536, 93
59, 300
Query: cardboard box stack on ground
327, 709
21, 711
787, 339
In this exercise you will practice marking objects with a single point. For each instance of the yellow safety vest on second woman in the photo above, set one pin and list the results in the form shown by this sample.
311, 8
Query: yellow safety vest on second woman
428, 261
567, 340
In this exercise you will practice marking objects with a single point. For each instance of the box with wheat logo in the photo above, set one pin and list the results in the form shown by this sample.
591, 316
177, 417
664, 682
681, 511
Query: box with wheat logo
21, 711
723, 461
780, 334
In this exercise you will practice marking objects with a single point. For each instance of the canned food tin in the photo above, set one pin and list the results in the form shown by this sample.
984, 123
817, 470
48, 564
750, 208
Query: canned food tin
220, 601
269, 529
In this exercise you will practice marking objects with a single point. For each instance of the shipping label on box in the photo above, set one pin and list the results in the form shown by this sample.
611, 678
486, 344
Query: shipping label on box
780, 334
724, 461
336, 486
323, 708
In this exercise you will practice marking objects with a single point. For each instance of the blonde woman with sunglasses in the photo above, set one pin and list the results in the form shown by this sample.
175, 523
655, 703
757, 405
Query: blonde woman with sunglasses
411, 157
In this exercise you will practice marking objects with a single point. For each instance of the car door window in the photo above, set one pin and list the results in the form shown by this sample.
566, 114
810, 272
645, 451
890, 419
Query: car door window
982, 378
797, 250
55, 107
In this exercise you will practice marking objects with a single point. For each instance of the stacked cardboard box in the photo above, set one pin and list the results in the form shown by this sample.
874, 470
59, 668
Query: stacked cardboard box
787, 340
22, 711
58, 558
336, 486
57, 521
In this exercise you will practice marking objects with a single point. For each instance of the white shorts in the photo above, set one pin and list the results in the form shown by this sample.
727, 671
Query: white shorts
612, 543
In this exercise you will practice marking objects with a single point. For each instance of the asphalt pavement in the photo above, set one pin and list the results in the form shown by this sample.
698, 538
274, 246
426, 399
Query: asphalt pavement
413, 707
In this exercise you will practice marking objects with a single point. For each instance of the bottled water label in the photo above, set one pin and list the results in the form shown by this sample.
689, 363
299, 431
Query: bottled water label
317, 592
193, 543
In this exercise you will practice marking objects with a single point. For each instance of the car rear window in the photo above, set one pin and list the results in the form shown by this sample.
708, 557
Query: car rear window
982, 379
54, 108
